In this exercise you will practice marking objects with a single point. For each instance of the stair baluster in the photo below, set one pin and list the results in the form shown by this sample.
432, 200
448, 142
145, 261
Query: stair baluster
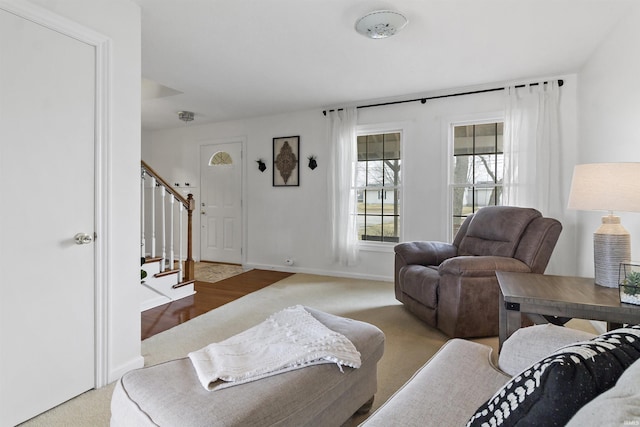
143, 246
190, 263
163, 198
154, 185
181, 270
171, 264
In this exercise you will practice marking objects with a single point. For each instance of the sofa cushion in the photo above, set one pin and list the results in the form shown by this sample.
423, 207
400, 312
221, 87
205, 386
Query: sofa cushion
552, 390
528, 345
618, 406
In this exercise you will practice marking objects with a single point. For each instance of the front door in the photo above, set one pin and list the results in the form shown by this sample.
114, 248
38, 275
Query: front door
221, 202
47, 109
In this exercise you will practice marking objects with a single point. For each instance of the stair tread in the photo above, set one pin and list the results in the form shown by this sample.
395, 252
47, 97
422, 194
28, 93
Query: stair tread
166, 273
184, 283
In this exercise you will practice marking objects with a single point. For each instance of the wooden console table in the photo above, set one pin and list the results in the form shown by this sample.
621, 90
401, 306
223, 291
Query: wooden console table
538, 295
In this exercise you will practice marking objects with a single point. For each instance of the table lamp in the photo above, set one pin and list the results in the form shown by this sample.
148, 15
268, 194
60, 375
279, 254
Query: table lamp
607, 187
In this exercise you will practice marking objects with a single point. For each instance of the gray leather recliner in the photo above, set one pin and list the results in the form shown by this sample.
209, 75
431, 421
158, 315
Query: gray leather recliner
453, 286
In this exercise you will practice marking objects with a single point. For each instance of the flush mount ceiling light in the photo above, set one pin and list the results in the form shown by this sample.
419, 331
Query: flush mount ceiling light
381, 24
185, 116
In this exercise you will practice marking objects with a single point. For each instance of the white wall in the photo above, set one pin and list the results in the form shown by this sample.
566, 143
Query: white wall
609, 110
120, 21
293, 222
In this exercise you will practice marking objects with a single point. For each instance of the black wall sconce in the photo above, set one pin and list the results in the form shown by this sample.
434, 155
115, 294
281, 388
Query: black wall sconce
261, 165
312, 162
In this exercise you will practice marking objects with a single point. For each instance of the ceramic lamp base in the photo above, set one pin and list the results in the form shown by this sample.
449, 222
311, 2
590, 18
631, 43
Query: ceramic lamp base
611, 246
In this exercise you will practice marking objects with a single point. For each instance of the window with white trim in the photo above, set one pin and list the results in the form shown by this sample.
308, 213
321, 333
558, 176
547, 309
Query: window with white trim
378, 183
476, 169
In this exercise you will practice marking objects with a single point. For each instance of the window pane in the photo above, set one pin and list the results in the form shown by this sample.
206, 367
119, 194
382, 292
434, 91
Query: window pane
499, 168
375, 172
463, 131
391, 172
360, 221
462, 201
486, 129
390, 228
361, 174
221, 158
485, 169
462, 169
373, 229
500, 133
485, 144
392, 202
462, 140
362, 147
373, 202
485, 138
392, 146
487, 197
375, 147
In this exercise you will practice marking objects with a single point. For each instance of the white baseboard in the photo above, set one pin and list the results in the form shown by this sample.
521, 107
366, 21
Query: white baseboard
318, 272
116, 373
153, 302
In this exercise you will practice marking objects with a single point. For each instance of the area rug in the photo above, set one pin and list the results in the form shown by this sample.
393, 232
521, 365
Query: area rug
409, 342
213, 272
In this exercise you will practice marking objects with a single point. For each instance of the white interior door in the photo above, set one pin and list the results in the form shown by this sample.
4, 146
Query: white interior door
47, 297
221, 202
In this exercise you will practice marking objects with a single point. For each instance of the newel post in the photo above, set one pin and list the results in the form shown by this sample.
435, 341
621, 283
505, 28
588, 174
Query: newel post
189, 264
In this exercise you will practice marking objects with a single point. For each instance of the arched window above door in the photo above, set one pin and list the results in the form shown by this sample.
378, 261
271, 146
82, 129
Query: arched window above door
221, 158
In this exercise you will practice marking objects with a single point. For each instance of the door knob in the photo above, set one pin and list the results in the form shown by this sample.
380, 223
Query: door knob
83, 238
203, 212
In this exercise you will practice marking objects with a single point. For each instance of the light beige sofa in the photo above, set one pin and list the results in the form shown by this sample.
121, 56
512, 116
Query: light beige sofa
461, 378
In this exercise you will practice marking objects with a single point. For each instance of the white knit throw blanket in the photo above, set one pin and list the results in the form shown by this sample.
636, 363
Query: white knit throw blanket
289, 339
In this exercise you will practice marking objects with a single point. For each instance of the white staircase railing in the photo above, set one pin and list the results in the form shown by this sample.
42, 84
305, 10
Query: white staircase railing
160, 222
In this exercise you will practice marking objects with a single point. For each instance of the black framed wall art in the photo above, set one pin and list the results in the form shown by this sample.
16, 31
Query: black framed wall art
286, 161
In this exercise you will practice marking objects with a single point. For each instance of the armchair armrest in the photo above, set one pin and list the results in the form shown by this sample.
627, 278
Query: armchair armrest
425, 253
481, 266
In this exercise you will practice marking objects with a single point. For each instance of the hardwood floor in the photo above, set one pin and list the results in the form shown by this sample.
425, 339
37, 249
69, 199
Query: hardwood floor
207, 297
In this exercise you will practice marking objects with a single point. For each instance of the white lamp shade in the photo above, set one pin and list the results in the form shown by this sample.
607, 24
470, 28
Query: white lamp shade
606, 187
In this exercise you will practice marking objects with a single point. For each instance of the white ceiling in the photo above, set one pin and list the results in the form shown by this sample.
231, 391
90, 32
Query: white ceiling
232, 59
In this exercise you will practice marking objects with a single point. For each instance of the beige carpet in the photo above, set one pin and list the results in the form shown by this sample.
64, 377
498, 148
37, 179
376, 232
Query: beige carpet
409, 342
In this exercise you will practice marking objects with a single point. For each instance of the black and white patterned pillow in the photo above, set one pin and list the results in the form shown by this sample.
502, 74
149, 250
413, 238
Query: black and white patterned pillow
552, 390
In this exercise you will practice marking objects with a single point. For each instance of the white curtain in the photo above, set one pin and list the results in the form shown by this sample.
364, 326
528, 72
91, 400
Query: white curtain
532, 149
341, 176
532, 155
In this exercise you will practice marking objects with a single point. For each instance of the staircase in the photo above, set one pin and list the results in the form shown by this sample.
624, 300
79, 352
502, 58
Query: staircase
162, 286
165, 237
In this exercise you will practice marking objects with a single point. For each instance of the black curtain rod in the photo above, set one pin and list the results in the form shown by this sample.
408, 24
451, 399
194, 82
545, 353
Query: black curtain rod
424, 100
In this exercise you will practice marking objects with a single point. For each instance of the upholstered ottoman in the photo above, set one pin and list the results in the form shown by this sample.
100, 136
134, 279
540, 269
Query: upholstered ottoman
170, 394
